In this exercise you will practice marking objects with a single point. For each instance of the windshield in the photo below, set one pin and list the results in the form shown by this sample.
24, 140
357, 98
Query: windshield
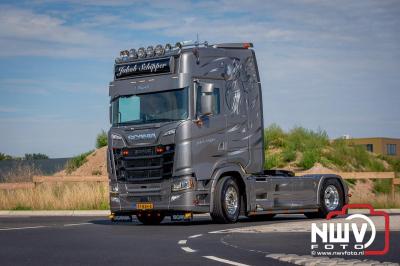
150, 107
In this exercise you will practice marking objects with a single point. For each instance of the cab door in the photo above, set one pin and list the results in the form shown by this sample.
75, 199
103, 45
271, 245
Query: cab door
208, 131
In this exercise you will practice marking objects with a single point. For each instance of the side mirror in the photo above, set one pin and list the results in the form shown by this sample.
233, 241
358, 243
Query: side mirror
206, 98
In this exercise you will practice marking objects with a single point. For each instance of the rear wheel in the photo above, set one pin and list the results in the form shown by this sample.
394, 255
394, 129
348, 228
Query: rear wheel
331, 199
150, 218
226, 206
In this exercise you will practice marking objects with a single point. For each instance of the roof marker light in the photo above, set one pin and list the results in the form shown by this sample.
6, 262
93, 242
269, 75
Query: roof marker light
247, 45
168, 47
132, 53
150, 51
178, 45
141, 52
159, 50
124, 53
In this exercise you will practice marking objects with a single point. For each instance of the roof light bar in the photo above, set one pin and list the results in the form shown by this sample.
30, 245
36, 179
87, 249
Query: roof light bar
168, 49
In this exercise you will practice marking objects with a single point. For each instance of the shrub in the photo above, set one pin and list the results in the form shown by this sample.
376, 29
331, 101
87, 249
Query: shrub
302, 139
273, 161
76, 162
393, 162
310, 157
376, 166
274, 136
289, 154
101, 139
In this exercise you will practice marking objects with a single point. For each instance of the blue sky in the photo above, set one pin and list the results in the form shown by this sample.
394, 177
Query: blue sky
333, 65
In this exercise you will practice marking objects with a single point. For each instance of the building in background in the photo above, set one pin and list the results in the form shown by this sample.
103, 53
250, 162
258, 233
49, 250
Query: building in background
384, 146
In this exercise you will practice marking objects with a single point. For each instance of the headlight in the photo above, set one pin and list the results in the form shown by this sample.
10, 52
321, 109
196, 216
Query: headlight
169, 132
116, 137
115, 199
183, 184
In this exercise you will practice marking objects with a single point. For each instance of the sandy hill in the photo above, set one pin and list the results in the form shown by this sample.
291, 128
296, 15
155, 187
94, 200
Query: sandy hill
95, 164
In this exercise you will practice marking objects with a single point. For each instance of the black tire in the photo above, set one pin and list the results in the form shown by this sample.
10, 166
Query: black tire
150, 218
220, 213
324, 209
262, 217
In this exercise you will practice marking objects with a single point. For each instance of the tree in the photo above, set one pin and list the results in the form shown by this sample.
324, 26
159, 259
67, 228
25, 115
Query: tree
4, 157
101, 139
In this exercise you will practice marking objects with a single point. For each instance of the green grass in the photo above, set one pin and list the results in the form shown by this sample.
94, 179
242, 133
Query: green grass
21, 208
76, 162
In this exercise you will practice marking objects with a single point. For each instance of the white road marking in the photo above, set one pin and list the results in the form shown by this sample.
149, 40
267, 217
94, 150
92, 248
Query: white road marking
188, 249
76, 224
182, 242
22, 228
194, 236
225, 261
223, 231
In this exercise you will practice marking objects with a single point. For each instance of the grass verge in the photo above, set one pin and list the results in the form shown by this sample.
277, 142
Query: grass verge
378, 201
57, 196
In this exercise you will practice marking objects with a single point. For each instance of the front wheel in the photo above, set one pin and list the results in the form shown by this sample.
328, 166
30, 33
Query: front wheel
226, 206
331, 199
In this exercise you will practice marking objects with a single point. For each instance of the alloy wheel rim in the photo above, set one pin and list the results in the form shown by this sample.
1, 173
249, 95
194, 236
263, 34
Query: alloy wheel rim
231, 200
331, 197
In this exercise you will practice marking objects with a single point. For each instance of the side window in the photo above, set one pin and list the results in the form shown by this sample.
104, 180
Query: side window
216, 101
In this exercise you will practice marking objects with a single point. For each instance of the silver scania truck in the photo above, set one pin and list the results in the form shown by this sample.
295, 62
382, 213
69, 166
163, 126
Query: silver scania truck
187, 137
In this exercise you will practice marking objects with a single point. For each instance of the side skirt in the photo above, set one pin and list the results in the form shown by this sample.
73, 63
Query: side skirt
282, 211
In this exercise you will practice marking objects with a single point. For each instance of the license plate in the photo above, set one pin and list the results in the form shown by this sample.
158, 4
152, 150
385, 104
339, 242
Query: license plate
144, 206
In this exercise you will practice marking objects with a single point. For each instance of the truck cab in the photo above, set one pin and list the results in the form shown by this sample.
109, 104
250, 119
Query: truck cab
187, 137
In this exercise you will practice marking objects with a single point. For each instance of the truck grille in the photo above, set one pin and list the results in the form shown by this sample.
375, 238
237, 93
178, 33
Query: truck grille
140, 164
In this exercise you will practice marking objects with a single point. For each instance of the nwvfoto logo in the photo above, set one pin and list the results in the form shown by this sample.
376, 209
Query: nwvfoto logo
336, 235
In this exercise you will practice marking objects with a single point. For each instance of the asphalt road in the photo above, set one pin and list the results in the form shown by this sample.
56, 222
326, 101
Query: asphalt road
97, 241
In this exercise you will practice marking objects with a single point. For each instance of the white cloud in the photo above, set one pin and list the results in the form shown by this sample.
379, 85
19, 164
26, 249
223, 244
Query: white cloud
24, 32
26, 25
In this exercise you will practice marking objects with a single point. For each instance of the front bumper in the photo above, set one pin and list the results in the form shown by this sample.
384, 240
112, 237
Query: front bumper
160, 195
